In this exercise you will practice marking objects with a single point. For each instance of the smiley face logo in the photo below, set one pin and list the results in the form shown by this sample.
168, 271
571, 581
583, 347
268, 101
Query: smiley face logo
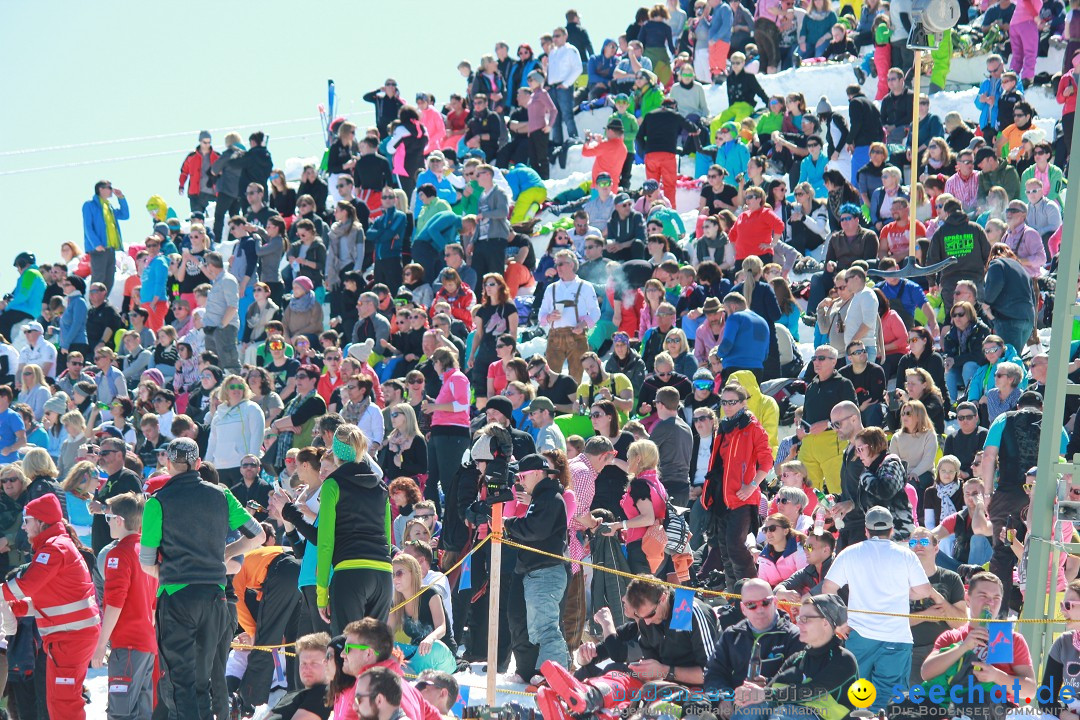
862, 693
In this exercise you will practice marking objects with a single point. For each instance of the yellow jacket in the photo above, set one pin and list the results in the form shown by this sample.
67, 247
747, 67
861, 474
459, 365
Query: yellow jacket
764, 408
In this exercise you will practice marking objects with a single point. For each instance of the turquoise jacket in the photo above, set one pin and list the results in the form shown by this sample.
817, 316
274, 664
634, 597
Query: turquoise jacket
733, 157
983, 379
29, 292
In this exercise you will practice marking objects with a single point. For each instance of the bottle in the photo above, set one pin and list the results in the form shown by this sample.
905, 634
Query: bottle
819, 520
754, 670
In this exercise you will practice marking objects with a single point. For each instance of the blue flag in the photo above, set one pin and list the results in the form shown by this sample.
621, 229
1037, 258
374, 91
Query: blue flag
462, 701
465, 581
682, 615
999, 649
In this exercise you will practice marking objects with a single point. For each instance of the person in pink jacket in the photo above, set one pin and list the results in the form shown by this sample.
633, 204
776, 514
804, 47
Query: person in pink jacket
782, 553
433, 121
1024, 37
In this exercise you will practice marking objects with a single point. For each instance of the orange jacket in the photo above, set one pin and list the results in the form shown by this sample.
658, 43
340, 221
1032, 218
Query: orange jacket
737, 456
191, 172
251, 576
610, 155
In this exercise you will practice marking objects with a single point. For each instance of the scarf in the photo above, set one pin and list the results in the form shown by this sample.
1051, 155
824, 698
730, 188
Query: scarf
353, 411
303, 303
945, 493
712, 248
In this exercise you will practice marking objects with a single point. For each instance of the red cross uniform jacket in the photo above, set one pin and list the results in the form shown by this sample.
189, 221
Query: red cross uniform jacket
55, 587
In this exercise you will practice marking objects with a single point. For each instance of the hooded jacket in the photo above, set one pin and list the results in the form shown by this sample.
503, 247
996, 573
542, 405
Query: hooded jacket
763, 407
738, 454
602, 69
543, 527
983, 379
227, 169
962, 239
354, 525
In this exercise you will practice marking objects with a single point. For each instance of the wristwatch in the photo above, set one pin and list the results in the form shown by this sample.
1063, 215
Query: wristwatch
670, 677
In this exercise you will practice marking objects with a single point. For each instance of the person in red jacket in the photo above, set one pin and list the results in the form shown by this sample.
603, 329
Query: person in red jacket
56, 589
741, 459
195, 173
755, 230
370, 643
127, 625
610, 151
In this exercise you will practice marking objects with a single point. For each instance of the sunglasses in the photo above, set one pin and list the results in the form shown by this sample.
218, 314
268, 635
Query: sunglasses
857, 352
771, 528
235, 386
822, 358
730, 403
755, 604
991, 348
918, 542
966, 416
845, 218
249, 465
396, 414
1070, 604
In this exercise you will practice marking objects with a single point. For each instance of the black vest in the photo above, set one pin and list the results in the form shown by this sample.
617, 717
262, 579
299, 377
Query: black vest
1019, 451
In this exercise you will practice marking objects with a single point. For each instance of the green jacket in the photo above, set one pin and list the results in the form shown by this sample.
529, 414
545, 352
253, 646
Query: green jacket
1057, 182
630, 128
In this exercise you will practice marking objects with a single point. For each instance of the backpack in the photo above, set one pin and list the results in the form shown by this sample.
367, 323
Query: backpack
677, 530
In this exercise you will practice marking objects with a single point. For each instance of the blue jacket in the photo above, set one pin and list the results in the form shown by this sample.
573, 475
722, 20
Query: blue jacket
522, 177
602, 69
441, 230
387, 234
733, 157
814, 173
988, 114
153, 278
29, 292
745, 342
983, 379
93, 220
443, 189
723, 19
73, 321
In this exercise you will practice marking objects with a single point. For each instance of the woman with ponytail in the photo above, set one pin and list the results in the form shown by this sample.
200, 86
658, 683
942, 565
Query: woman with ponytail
761, 298
354, 537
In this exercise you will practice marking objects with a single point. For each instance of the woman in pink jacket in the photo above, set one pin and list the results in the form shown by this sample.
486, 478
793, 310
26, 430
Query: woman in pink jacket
783, 551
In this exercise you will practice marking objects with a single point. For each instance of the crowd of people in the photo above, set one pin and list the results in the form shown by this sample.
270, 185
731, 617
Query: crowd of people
288, 422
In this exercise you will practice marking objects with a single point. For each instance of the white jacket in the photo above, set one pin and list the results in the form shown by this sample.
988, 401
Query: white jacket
235, 432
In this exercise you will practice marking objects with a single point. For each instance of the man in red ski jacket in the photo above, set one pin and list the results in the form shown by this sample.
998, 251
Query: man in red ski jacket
195, 173
56, 589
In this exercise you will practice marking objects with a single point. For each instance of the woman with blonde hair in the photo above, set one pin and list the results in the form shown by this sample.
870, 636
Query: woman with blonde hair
236, 429
644, 505
13, 484
678, 348
34, 390
916, 444
79, 486
404, 451
419, 623
42, 472
72, 255
354, 518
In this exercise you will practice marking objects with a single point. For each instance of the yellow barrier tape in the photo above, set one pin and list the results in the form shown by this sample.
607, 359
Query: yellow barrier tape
449, 570
718, 593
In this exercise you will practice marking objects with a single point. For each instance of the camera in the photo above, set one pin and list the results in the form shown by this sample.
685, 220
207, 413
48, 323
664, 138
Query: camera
495, 449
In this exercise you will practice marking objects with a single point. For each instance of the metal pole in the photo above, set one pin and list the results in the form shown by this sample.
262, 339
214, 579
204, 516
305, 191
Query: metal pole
494, 589
916, 88
1041, 511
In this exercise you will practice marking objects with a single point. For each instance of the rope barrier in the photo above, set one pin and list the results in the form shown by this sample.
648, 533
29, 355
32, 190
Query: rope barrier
718, 593
449, 570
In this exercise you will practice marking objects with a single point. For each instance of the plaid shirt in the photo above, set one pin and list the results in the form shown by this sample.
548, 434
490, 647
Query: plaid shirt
583, 480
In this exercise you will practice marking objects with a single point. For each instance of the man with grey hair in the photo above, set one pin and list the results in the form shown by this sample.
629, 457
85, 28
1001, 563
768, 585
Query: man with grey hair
221, 322
370, 323
569, 309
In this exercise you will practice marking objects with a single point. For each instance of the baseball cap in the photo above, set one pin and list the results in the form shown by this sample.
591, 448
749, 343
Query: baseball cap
650, 186
542, 403
622, 198
984, 153
622, 97
34, 326
183, 450
879, 518
532, 462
